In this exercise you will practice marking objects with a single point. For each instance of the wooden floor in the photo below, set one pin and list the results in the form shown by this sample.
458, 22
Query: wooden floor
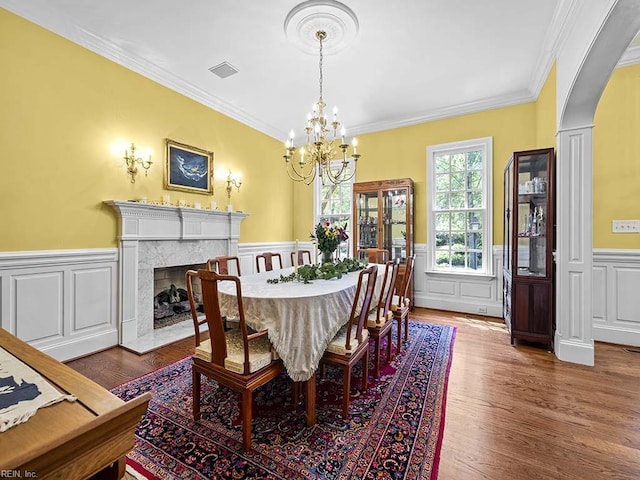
512, 413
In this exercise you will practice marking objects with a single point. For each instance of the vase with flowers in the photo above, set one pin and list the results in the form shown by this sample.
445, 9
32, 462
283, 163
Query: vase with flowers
328, 237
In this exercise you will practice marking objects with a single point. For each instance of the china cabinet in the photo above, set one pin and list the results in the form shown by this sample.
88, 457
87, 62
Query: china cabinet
529, 229
383, 217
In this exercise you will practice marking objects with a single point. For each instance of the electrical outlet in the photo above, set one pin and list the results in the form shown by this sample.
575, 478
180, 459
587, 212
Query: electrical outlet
626, 226
482, 309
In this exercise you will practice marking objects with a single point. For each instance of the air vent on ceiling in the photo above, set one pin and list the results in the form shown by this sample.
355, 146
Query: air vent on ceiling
224, 70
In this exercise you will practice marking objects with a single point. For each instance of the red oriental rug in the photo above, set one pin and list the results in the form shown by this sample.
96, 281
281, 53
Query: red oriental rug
394, 430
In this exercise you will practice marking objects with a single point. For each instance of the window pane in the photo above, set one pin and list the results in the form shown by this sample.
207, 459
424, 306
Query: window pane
443, 182
475, 180
457, 181
442, 239
442, 164
474, 160
475, 220
442, 201
474, 240
474, 199
457, 200
442, 221
442, 259
458, 221
458, 162
457, 242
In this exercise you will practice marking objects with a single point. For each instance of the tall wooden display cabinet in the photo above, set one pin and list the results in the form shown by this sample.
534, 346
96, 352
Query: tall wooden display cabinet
529, 242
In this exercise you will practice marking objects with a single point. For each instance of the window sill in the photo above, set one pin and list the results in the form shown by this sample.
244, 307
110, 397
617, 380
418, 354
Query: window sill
438, 273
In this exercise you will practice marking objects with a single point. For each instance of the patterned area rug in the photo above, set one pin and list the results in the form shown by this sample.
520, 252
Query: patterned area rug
394, 429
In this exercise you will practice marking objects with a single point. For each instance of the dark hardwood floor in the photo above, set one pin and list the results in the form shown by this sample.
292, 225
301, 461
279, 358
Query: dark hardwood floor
512, 413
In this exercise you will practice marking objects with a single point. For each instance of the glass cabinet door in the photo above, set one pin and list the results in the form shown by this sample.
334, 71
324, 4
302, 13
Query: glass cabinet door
531, 175
394, 220
367, 219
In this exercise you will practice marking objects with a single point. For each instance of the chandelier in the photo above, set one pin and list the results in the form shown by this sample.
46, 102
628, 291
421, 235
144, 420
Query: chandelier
323, 144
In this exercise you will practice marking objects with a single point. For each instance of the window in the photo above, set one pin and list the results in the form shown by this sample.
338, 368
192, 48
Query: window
332, 203
459, 212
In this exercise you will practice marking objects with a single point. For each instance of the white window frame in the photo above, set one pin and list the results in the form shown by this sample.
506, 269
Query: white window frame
486, 145
317, 184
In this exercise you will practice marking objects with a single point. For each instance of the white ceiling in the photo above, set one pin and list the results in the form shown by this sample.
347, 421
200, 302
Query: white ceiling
412, 60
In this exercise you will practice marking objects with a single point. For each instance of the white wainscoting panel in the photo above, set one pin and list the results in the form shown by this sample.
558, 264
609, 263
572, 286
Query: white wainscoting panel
62, 302
616, 296
479, 295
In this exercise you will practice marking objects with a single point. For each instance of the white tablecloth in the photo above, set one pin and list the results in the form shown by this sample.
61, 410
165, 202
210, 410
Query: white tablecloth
301, 318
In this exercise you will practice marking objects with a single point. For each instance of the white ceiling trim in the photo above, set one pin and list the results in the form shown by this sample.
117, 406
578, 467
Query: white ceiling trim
630, 57
555, 37
488, 103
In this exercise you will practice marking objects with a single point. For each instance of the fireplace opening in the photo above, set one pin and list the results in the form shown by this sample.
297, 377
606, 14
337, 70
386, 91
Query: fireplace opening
170, 302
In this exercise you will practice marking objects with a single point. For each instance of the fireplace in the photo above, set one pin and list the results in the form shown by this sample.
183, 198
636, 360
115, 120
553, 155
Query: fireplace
170, 303
161, 236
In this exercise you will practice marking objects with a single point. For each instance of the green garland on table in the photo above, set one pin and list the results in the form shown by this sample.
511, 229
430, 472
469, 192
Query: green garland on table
326, 271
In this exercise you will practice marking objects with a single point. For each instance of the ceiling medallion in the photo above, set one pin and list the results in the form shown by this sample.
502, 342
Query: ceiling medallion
306, 19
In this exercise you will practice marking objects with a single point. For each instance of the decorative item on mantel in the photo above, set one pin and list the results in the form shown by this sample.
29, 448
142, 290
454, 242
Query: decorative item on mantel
323, 144
328, 238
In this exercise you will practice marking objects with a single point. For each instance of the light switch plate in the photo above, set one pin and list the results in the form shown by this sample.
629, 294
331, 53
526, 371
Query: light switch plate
626, 226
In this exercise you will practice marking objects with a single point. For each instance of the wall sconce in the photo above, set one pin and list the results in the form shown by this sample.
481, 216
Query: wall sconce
233, 181
132, 162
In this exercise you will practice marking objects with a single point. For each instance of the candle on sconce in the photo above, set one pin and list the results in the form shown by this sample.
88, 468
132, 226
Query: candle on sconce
354, 142
343, 132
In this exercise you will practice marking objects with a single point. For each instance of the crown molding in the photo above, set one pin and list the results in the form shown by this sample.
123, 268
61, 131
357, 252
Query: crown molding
477, 106
630, 57
560, 24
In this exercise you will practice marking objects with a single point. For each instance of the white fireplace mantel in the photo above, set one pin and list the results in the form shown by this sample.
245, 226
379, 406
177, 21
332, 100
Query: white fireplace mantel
155, 236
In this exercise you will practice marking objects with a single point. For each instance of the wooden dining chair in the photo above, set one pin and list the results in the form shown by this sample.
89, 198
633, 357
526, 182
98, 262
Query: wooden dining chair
199, 318
304, 257
374, 255
267, 260
380, 320
240, 360
401, 302
351, 343
221, 265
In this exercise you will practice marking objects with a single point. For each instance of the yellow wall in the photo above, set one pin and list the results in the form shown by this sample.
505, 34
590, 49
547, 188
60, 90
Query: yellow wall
616, 163
61, 106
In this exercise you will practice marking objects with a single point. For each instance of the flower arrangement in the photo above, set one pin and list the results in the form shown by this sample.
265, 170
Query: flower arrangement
329, 237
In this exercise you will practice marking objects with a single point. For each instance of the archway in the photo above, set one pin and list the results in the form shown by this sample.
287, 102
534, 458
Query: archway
615, 27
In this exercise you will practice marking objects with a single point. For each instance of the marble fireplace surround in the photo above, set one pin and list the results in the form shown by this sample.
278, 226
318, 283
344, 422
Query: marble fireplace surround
157, 236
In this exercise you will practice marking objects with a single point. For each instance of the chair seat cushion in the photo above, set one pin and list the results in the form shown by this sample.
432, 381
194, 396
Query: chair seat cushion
373, 321
260, 353
395, 303
338, 344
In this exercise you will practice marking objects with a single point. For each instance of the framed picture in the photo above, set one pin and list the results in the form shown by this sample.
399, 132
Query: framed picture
189, 169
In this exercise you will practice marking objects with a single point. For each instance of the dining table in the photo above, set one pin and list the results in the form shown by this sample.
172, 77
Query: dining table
301, 318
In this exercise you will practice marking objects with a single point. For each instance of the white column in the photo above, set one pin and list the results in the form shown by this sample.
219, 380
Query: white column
574, 239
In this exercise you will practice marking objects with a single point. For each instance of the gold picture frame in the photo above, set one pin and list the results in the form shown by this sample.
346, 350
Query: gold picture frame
188, 169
